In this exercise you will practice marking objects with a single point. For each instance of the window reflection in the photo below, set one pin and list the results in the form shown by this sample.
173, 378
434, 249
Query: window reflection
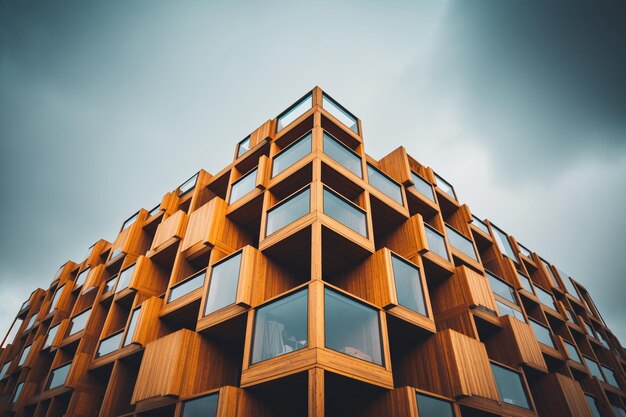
288, 211
423, 187
243, 147
510, 386
223, 284
110, 344
430, 406
79, 322
436, 242
384, 184
446, 187
297, 110
58, 376
408, 285
292, 154
128, 338
503, 243
243, 186
201, 407
124, 278
187, 286
542, 333
340, 113
460, 242
345, 212
343, 155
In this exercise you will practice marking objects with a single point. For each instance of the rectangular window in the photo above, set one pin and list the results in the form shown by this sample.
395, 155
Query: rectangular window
594, 369
12, 332
31, 321
546, 298
341, 114
243, 186
501, 288
589, 329
223, 284
280, 327
189, 285
110, 344
110, 284
345, 212
550, 274
430, 406
505, 309
503, 243
243, 146
572, 352
510, 386
24, 355
79, 322
51, 335
55, 300
188, 185
352, 328
58, 376
295, 111
609, 376
130, 220
18, 391
569, 285
602, 340
436, 242
423, 187
481, 225
408, 285
4, 369
155, 210
124, 278
591, 401
24, 304
288, 211
201, 407
343, 155
291, 154
446, 187
619, 412
525, 282
460, 242
523, 250
384, 184
542, 334
80, 280
116, 253
128, 338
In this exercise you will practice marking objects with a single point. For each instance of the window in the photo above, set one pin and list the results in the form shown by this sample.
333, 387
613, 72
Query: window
352, 328
591, 401
18, 391
295, 111
345, 212
619, 412
384, 184
4, 369
430, 406
481, 225
510, 386
201, 407
130, 221
243, 146
523, 250
155, 210
223, 284
79, 322
58, 376
108, 286
31, 321
124, 279
505, 309
423, 187
570, 315
445, 186
546, 298
243, 186
525, 282
609, 376
594, 369
343, 155
288, 211
501, 288
280, 327
572, 352
436, 242
341, 114
80, 280
24, 304
550, 273
57, 295
24, 355
460, 242
110, 344
117, 252
291, 154
569, 285
51, 335
602, 340
188, 185
12, 332
408, 285
128, 338
189, 285
542, 333
503, 243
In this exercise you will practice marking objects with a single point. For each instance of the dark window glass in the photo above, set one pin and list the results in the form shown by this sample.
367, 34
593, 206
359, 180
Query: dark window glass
460, 242
572, 352
58, 376
433, 407
343, 155
292, 154
340, 113
408, 285
345, 212
243, 186
384, 184
223, 284
542, 333
288, 211
187, 286
110, 344
201, 407
510, 386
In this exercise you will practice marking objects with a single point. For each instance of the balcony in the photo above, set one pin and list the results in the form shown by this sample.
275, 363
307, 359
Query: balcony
345, 212
288, 210
340, 113
384, 184
461, 244
291, 154
294, 112
343, 155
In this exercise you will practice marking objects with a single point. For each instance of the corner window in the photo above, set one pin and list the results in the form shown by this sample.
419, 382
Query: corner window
288, 211
295, 111
343, 155
223, 284
243, 146
423, 187
345, 212
340, 113
291, 154
188, 185
510, 386
384, 184
542, 334
82, 277
431, 406
201, 407
436, 242
460, 242
128, 338
189, 285
446, 187
243, 186
79, 322
408, 285
58, 376
503, 243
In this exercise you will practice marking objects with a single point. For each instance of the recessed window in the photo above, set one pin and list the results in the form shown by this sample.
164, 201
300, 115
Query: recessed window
507, 310
481, 225
542, 333
589, 329
609, 376
384, 184
243, 186
79, 322
4, 369
546, 298
223, 284
288, 211
594, 369
295, 111
188, 185
619, 412
130, 220
280, 327
460, 242
18, 391
423, 187
572, 352
525, 282
110, 344
591, 401
570, 315
201, 407
24, 355
115, 254
602, 340
58, 376
341, 114
189, 285
503, 243
56, 297
436, 242
501, 288
352, 328
109, 284
124, 279
292, 154
430, 406
446, 187
345, 212
128, 338
510, 386
80, 280
243, 146
343, 155
51, 335
550, 274
523, 250
408, 285
569, 285
31, 321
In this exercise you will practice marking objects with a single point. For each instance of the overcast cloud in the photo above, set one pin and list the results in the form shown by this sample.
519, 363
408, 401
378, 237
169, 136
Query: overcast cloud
521, 105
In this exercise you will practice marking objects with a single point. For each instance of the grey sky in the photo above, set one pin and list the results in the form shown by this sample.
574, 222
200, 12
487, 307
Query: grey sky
106, 106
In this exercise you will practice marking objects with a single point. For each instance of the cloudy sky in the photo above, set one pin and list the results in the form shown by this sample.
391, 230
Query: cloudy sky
104, 107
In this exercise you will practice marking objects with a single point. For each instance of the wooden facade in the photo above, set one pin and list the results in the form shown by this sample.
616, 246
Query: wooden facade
307, 278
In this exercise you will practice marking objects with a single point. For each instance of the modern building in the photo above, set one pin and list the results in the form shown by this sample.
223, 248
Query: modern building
308, 279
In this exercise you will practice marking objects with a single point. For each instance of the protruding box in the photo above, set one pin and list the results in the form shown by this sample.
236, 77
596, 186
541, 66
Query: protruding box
169, 231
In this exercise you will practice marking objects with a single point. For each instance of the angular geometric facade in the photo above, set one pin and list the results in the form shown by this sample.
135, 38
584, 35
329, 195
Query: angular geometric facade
308, 279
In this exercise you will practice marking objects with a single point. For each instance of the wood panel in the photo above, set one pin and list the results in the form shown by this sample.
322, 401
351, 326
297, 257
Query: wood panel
408, 239
172, 228
516, 345
465, 287
559, 395
396, 165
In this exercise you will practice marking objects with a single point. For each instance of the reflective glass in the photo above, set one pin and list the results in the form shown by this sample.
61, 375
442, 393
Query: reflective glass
344, 212
244, 146
201, 407
352, 328
128, 338
570, 315
594, 369
569, 285
523, 250
436, 242
505, 309
79, 322
501, 288
619, 412
341, 154
110, 344
445, 186
24, 304
510, 386
481, 225
108, 286
408, 285
124, 279
188, 185
24, 355
550, 274
292, 154
545, 298
382, 183
155, 210
602, 340
503, 243
223, 284
55, 300
9, 338
18, 391
59, 376
31, 321
542, 334
51, 335
609, 376
589, 329
80, 280
592, 404
130, 220
461, 243
280, 327
243, 186
525, 281
288, 211
423, 187
187, 286
293, 113
117, 252
572, 352
429, 406
4, 369
340, 113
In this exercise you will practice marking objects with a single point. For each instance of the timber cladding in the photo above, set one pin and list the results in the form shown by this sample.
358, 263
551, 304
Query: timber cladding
308, 278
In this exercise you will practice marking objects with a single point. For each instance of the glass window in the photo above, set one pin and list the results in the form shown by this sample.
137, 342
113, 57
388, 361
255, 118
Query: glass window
501, 288
343, 155
117, 252
57, 295
510, 386
155, 210
525, 282
188, 185
352, 328
124, 279
12, 332
550, 274
4, 369
24, 355
108, 286
128, 338
384, 184
423, 186
481, 225
345, 212
505, 309
408, 285
592, 404
292, 154
430, 406
51, 335
79, 322
503, 243
589, 329
619, 412
223, 284
80, 280
609, 376
288, 211
31, 321
340, 113
280, 327
243, 147
523, 250
569, 285
201, 407
542, 334
110, 344
445, 186
18, 391
436, 242
572, 352
594, 369
294, 112
59, 375
604, 342
187, 286
24, 304
460, 242
130, 221
545, 298
243, 186
570, 315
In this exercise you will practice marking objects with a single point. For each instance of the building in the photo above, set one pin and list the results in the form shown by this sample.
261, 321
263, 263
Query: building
307, 278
